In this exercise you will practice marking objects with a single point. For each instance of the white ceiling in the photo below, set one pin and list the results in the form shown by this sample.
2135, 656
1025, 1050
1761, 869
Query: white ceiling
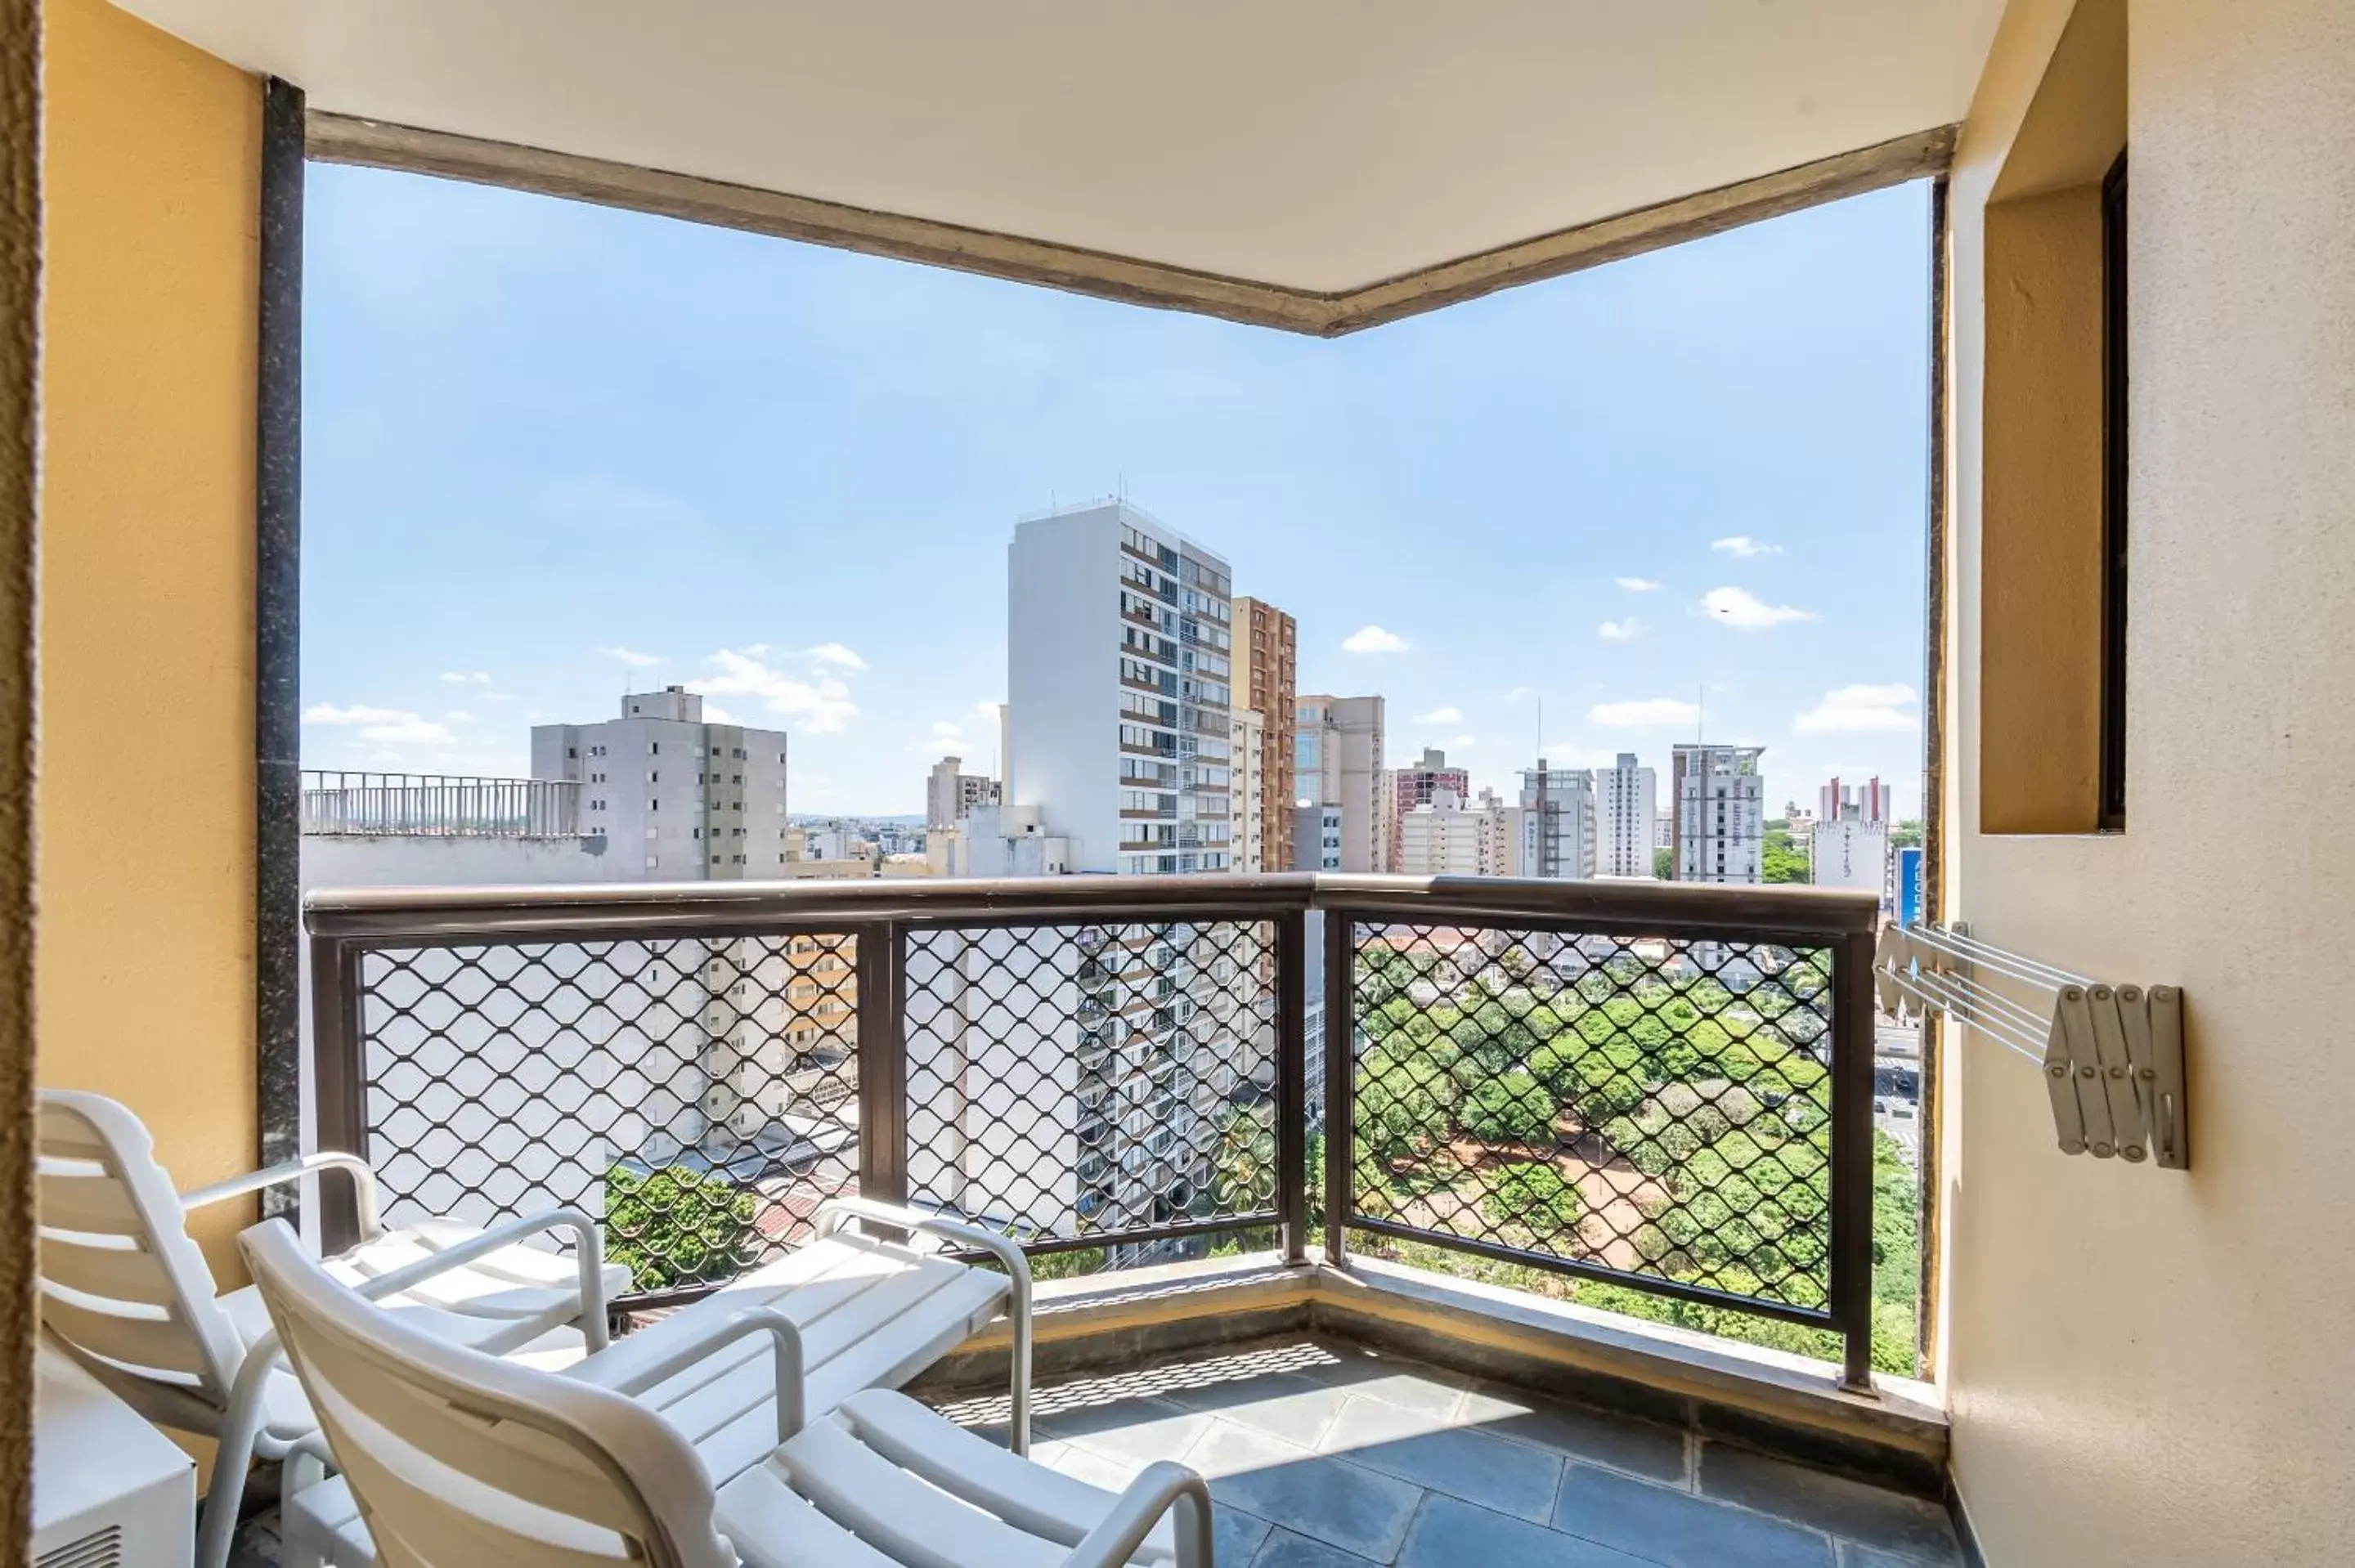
1317, 145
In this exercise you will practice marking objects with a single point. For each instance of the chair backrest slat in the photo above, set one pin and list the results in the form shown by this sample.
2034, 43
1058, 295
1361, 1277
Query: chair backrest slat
122, 1286
119, 1268
454, 1457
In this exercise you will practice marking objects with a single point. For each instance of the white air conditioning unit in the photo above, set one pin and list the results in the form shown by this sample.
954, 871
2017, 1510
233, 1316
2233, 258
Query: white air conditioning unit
109, 1490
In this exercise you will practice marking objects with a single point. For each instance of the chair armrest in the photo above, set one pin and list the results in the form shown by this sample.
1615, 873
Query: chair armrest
1158, 1488
787, 1340
588, 1252
363, 1183
831, 1216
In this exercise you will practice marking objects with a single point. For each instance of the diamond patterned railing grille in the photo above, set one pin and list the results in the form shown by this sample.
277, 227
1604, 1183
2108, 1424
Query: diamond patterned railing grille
700, 1094
1119, 1075
1112, 1084
1652, 1110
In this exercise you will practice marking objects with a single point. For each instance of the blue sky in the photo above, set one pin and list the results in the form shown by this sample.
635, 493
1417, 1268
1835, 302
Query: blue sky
551, 450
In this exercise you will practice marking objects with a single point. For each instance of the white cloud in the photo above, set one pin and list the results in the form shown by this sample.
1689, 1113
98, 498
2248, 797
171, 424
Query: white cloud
1373, 639
986, 710
819, 700
386, 726
631, 657
1517, 693
714, 714
465, 678
947, 729
1745, 546
1463, 743
457, 716
1862, 709
499, 696
1441, 715
1741, 608
836, 653
1622, 630
1646, 713
1637, 584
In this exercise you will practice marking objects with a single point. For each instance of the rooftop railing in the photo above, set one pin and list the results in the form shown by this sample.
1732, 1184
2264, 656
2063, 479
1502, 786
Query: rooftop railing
439, 805
1662, 1088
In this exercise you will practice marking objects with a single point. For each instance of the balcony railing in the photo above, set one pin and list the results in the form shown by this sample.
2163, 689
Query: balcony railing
437, 805
1658, 1087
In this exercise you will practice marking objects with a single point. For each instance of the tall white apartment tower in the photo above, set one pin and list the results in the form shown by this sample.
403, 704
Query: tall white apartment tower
677, 799
1338, 761
1627, 806
1719, 799
1551, 832
1121, 736
1118, 668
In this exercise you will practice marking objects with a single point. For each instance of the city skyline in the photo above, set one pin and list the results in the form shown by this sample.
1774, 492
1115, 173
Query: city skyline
850, 593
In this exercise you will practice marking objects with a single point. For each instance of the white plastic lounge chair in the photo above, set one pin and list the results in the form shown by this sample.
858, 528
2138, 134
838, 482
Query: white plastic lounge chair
128, 1294
874, 1302
448, 1457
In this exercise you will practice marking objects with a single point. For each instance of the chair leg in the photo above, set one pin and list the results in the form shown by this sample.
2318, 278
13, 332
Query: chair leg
240, 1430
1019, 1403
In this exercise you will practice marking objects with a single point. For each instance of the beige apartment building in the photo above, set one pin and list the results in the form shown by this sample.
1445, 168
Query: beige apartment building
1337, 749
1266, 656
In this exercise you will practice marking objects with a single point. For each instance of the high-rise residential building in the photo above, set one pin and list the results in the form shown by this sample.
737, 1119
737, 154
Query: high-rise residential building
1338, 757
1266, 662
1626, 814
1449, 836
1121, 746
951, 794
1850, 852
677, 799
1315, 837
1118, 663
1251, 818
1719, 799
1866, 802
1664, 830
1418, 783
1550, 833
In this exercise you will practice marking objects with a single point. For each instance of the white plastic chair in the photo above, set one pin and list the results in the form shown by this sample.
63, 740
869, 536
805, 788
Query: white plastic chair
448, 1457
875, 1299
126, 1291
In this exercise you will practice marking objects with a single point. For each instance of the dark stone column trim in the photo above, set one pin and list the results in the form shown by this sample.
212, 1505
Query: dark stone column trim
277, 636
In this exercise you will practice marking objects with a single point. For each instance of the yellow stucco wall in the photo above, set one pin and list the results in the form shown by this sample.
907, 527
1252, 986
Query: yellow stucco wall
2149, 1366
145, 947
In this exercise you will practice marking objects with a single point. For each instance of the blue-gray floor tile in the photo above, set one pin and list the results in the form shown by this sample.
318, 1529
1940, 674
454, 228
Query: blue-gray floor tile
1601, 1436
1138, 1430
1678, 1528
1295, 1409
1451, 1534
1915, 1528
1285, 1549
1328, 1500
1236, 1535
1494, 1472
1408, 1383
1852, 1555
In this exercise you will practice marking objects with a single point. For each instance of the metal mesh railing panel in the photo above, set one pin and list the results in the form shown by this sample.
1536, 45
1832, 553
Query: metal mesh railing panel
1082, 1081
698, 1094
1655, 1108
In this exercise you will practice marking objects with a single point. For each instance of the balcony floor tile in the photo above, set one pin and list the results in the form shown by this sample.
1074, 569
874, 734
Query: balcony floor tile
1321, 1455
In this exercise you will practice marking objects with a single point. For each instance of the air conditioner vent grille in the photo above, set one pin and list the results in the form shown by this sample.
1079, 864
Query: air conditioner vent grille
100, 1549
